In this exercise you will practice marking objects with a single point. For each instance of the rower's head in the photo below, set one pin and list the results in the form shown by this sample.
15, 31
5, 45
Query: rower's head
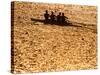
46, 11
62, 14
52, 12
59, 13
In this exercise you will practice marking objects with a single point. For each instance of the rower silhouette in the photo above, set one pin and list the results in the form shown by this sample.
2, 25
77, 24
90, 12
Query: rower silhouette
52, 18
63, 18
46, 16
59, 18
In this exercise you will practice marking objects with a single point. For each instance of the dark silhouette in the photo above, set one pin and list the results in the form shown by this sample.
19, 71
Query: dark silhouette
63, 18
59, 18
52, 18
46, 16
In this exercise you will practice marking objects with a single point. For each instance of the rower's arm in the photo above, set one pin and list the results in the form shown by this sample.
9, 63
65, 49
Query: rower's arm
66, 17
